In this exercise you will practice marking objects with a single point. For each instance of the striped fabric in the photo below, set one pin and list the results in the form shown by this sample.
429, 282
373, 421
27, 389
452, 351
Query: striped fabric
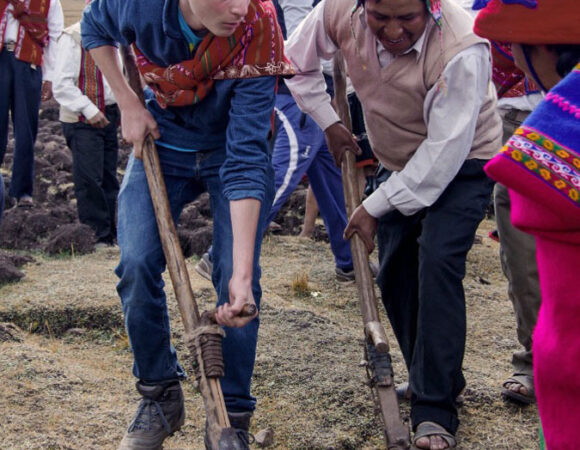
91, 82
255, 49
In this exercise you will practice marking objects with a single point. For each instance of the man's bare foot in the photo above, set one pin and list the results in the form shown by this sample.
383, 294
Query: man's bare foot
519, 388
432, 443
516, 387
432, 436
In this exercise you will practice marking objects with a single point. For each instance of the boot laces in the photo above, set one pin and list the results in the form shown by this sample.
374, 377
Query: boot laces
245, 436
146, 415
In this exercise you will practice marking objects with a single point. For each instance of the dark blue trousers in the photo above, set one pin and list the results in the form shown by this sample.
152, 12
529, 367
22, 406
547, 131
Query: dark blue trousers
20, 89
422, 265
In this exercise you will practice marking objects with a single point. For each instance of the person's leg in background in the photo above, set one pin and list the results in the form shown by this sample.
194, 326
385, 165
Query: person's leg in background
296, 145
87, 145
326, 181
6, 97
518, 262
25, 109
310, 214
110, 184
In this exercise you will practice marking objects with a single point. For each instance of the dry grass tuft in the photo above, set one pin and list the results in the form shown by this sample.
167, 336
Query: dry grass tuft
300, 285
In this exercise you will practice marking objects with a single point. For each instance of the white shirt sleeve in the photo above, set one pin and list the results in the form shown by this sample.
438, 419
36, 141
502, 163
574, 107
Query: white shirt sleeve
450, 113
55, 25
65, 83
305, 47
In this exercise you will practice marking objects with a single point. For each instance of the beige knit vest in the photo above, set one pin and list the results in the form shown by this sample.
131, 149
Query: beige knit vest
392, 98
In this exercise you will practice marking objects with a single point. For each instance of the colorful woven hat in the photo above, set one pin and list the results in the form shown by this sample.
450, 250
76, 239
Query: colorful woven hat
542, 159
529, 21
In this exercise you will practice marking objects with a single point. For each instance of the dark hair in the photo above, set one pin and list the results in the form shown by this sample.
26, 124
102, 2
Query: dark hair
568, 57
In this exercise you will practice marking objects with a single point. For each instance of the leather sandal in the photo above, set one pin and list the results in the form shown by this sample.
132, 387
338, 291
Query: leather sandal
524, 380
428, 429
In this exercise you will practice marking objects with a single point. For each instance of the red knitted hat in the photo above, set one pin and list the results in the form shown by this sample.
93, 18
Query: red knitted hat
530, 21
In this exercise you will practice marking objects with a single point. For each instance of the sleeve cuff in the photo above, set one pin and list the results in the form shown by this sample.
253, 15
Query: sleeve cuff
324, 115
237, 195
377, 204
90, 111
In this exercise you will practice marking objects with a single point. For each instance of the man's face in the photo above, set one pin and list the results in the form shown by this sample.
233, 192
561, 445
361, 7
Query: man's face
220, 17
397, 24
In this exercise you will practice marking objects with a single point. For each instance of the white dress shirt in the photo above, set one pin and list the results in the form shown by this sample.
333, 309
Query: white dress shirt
55, 20
65, 85
448, 143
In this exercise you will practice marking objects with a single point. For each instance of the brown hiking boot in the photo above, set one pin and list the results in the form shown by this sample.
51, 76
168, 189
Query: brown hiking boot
160, 414
238, 436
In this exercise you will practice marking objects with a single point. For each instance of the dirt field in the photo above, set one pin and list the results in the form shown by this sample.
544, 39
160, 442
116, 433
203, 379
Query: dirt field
70, 386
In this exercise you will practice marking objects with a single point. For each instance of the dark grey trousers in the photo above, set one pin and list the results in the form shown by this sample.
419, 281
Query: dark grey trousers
95, 154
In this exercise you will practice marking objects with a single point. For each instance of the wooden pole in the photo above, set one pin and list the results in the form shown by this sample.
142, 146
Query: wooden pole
396, 432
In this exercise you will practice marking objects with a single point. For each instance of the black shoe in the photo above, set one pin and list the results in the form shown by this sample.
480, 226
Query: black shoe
160, 414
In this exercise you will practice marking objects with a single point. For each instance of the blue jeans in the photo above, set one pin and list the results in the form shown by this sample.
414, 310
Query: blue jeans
142, 262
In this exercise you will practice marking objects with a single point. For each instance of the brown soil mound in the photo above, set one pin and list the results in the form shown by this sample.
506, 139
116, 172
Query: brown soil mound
9, 265
70, 239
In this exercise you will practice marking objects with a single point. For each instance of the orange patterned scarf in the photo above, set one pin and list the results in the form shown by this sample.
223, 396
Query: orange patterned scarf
255, 49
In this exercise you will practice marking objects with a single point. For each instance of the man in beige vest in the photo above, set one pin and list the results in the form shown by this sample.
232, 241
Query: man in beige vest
424, 82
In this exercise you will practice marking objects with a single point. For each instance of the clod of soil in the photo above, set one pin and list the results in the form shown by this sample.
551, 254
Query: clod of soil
9, 265
10, 332
195, 241
74, 238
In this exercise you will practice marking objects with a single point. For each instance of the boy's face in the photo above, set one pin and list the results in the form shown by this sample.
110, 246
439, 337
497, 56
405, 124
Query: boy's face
220, 17
397, 24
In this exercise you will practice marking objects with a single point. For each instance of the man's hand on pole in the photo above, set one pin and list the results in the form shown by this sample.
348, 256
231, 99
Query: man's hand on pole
340, 140
241, 295
363, 224
136, 121
136, 124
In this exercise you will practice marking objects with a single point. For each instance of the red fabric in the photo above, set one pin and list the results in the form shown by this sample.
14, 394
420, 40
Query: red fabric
255, 49
91, 82
33, 19
551, 22
508, 79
